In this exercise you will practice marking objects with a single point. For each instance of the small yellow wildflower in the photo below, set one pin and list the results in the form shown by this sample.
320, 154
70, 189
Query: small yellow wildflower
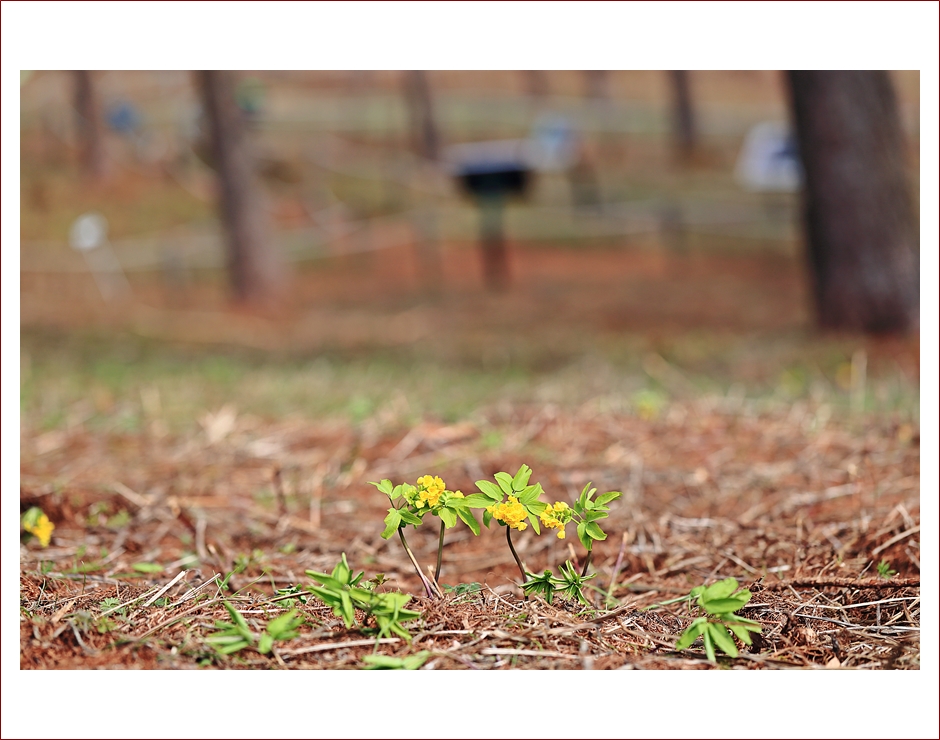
512, 513
40, 527
555, 517
432, 487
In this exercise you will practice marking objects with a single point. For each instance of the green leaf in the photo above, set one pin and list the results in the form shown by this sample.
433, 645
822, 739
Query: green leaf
505, 482
487, 518
709, 644
741, 631
533, 520
722, 639
607, 498
724, 606
583, 536
391, 523
594, 531
469, 520
536, 507
691, 633
408, 517
478, 500
521, 478
490, 489
390, 662
385, 486
265, 644
346, 609
720, 590
147, 567
529, 494
448, 516
236, 616
281, 627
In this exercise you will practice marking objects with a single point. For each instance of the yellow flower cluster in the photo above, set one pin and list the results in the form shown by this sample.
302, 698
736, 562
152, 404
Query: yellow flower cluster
512, 513
41, 529
431, 489
555, 516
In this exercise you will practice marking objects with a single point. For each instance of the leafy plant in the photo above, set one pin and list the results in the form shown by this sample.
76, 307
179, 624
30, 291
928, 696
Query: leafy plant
719, 601
570, 585
410, 504
587, 512
885, 571
237, 635
340, 590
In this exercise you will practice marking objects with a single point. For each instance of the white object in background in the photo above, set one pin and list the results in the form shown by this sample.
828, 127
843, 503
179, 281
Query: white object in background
555, 143
89, 235
769, 159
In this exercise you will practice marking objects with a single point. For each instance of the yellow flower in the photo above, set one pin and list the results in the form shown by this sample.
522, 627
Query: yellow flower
555, 516
458, 494
432, 487
512, 513
41, 528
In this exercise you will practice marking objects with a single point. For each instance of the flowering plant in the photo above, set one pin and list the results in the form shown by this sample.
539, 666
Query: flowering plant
410, 504
512, 502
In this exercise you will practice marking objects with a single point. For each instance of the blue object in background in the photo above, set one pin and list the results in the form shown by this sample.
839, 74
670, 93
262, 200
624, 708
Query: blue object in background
123, 118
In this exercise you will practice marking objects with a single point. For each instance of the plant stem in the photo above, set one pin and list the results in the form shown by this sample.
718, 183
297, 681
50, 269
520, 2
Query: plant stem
424, 580
440, 555
513, 551
587, 562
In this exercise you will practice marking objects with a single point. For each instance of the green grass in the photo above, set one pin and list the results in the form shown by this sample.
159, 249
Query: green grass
122, 383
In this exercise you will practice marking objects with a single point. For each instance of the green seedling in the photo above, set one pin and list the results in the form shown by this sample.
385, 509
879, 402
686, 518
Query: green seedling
237, 635
570, 585
340, 590
885, 571
719, 601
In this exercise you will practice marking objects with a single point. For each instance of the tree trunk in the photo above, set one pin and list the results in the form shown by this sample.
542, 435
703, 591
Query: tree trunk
423, 128
255, 266
426, 143
597, 82
863, 241
683, 116
90, 134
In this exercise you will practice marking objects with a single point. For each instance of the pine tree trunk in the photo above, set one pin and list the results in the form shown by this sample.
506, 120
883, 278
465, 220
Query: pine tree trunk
255, 266
426, 143
683, 115
862, 238
90, 134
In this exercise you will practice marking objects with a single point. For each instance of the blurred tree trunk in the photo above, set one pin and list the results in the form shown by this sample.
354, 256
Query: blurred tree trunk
536, 83
423, 128
683, 115
255, 266
89, 125
426, 143
863, 241
597, 82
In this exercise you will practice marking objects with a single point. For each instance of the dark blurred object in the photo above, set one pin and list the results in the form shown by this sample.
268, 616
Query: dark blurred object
492, 172
255, 266
862, 237
88, 124
683, 115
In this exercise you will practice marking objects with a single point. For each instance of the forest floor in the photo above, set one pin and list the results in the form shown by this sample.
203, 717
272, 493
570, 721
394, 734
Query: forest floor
181, 480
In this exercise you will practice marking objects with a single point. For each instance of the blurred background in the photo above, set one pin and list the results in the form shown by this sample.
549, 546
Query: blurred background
389, 246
